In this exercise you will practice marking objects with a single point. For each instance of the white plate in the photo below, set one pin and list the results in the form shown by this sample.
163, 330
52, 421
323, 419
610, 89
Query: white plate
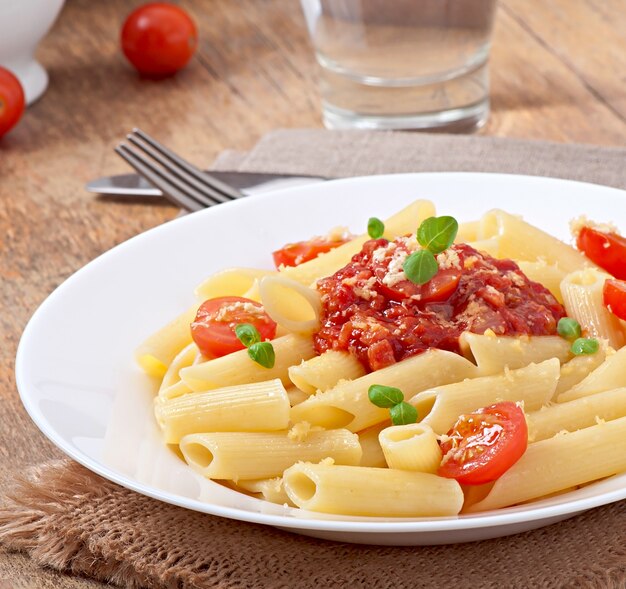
77, 379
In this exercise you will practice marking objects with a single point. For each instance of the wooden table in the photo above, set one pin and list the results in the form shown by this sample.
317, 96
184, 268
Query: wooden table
557, 73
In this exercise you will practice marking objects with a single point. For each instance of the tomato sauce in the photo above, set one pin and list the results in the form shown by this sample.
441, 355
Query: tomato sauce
370, 308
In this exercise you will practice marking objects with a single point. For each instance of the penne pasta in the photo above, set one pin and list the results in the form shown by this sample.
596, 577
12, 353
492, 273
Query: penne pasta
292, 305
156, 353
186, 357
490, 245
347, 404
411, 447
583, 300
547, 466
232, 282
321, 373
578, 368
550, 275
608, 375
257, 407
522, 241
238, 368
576, 414
533, 385
493, 354
238, 455
356, 490
372, 452
271, 490
176, 390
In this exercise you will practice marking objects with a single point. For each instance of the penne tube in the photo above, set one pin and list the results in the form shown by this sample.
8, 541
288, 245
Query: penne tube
357, 490
292, 305
583, 301
176, 390
257, 407
372, 452
522, 241
576, 414
560, 462
271, 490
239, 368
232, 282
411, 447
578, 368
347, 404
186, 357
321, 373
493, 353
533, 385
156, 353
239, 455
468, 231
608, 375
296, 396
490, 246
550, 275
405, 221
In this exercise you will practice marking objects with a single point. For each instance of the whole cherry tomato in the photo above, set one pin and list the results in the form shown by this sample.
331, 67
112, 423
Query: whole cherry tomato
11, 101
483, 445
159, 38
213, 329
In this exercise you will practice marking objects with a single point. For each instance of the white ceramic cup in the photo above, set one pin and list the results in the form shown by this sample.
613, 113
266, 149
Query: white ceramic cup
23, 24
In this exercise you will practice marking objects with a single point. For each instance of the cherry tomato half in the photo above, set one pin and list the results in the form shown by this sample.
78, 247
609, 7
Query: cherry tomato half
483, 445
11, 101
438, 288
294, 254
607, 250
159, 38
614, 294
213, 329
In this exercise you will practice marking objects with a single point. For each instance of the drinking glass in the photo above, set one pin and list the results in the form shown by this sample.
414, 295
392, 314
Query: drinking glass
402, 64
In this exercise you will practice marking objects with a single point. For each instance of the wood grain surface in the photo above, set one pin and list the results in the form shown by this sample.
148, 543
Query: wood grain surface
558, 72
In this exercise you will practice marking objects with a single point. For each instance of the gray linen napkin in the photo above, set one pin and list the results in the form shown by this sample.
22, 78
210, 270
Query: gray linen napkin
360, 153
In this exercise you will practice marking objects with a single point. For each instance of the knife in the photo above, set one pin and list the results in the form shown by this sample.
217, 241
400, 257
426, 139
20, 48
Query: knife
133, 185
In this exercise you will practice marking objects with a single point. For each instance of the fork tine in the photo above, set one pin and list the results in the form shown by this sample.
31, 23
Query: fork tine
205, 178
179, 172
151, 173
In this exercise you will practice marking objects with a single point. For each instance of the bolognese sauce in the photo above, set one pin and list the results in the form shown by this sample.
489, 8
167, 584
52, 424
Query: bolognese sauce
371, 309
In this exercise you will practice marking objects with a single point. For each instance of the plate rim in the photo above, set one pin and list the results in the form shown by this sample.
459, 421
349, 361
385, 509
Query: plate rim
371, 525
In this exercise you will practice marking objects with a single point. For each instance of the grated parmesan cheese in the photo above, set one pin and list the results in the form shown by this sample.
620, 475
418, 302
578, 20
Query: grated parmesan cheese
299, 431
365, 290
225, 313
575, 226
449, 259
339, 233
395, 273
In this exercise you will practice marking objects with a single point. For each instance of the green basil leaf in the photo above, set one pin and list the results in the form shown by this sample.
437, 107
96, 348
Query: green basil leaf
437, 234
263, 353
383, 396
375, 228
403, 413
585, 345
420, 266
247, 334
568, 328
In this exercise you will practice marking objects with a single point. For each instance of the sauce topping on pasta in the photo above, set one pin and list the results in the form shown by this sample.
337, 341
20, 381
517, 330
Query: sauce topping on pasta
372, 310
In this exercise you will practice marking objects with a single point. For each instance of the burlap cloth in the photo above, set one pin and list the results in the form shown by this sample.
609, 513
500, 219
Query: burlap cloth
72, 520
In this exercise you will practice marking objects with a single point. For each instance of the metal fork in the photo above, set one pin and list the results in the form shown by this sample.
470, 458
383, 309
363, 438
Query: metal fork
181, 182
